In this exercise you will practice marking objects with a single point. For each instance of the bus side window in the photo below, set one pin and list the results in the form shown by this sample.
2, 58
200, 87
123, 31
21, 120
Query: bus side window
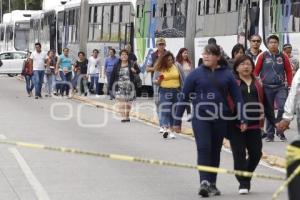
222, 6
154, 10
1, 34
201, 7
115, 19
106, 24
210, 7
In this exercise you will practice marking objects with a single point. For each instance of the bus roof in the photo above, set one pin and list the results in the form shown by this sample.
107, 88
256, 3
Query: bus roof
110, 1
53, 4
19, 15
72, 4
76, 3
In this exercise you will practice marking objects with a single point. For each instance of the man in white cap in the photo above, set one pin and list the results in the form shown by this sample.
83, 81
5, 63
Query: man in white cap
161, 49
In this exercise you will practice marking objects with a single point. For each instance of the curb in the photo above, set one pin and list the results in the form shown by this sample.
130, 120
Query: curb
272, 160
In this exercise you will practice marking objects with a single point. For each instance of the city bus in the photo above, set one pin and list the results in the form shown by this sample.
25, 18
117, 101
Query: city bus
110, 25
153, 19
115, 23
14, 31
234, 21
46, 27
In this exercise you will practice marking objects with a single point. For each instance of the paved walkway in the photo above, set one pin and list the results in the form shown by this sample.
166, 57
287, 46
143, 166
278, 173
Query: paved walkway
144, 109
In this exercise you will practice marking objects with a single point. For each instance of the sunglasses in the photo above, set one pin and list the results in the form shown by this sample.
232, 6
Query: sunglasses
258, 41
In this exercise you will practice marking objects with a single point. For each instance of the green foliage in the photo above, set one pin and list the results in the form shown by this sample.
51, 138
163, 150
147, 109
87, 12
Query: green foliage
19, 5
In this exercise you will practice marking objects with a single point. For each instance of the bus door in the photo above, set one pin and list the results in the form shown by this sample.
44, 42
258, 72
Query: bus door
254, 10
127, 35
60, 32
52, 31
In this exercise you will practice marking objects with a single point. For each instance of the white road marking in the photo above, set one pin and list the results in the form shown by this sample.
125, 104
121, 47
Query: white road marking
3, 137
40, 192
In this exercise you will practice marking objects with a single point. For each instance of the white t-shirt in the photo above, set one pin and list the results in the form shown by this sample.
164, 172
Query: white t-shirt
38, 60
94, 65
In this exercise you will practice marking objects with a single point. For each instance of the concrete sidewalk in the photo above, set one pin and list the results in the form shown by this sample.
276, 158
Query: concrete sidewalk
144, 109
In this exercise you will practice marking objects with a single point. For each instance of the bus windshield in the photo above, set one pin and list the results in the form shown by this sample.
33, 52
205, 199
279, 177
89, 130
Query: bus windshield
21, 39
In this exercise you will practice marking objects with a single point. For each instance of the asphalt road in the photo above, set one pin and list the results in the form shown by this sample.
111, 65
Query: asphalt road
39, 174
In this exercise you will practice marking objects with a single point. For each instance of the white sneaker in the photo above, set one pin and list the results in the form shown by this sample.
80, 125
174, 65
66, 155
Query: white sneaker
189, 118
243, 191
171, 135
161, 130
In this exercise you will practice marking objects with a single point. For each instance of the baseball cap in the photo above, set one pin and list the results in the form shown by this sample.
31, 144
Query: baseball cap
160, 41
285, 46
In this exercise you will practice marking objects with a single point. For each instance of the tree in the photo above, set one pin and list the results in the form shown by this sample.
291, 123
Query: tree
19, 5
34, 4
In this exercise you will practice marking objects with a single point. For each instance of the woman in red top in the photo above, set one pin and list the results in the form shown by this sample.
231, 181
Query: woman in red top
27, 72
249, 140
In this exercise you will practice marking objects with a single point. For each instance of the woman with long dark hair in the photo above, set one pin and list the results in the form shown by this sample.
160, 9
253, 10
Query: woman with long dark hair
250, 140
169, 77
183, 61
208, 86
237, 51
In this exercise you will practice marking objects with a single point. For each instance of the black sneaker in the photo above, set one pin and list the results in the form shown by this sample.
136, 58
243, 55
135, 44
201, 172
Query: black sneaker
214, 190
204, 189
282, 138
36, 97
165, 135
263, 134
270, 138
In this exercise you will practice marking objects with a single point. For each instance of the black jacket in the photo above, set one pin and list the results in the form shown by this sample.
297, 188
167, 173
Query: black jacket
116, 71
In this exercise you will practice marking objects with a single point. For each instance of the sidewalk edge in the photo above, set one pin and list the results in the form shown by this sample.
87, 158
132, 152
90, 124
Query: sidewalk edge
270, 159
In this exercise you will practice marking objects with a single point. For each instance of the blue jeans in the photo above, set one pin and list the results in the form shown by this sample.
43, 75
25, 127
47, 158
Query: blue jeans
29, 83
82, 83
156, 101
66, 82
94, 83
75, 80
168, 99
38, 77
209, 135
50, 82
273, 96
108, 75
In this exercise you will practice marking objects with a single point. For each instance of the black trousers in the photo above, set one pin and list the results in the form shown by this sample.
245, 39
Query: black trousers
209, 135
241, 143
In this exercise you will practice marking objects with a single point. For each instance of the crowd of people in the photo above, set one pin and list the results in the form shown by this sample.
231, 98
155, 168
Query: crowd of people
224, 97
230, 97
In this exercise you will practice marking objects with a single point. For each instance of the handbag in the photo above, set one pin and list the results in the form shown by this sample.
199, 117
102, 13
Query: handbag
137, 80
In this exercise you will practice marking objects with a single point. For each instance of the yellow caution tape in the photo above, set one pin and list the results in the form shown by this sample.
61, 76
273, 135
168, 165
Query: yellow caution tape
142, 160
292, 155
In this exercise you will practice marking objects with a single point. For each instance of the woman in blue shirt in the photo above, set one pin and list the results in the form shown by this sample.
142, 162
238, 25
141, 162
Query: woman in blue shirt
208, 87
64, 68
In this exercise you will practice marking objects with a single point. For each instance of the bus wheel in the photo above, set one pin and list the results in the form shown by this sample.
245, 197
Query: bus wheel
11, 75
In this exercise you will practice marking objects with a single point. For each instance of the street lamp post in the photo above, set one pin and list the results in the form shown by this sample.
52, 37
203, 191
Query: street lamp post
25, 4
